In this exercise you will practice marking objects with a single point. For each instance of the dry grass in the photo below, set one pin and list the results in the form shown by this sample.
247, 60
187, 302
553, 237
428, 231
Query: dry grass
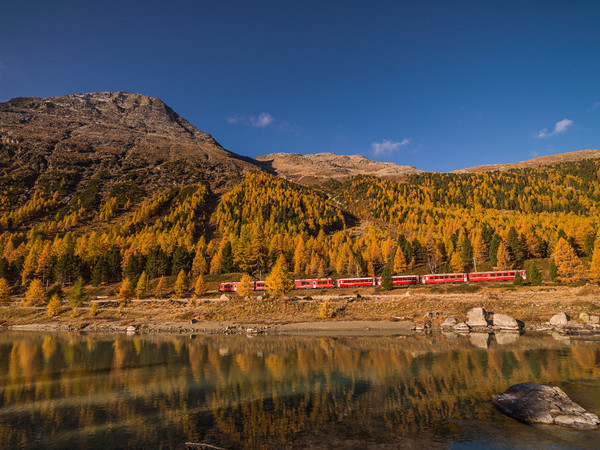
529, 304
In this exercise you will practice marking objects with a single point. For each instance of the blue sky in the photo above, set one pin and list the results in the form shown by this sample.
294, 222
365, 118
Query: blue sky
439, 85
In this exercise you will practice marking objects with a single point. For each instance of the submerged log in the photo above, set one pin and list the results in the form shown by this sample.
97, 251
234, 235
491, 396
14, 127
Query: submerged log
538, 403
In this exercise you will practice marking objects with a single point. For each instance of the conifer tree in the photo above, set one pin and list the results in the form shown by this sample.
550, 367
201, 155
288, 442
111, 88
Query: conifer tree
77, 296
244, 287
503, 257
534, 275
44, 265
456, 263
553, 271
199, 264
161, 287
36, 294
141, 288
466, 252
386, 278
181, 284
4, 291
400, 264
54, 306
595, 266
480, 251
200, 287
279, 281
126, 292
570, 268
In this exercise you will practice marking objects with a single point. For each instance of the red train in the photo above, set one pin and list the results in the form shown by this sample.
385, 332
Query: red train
397, 280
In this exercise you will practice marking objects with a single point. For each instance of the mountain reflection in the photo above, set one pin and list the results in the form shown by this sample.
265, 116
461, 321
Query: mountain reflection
68, 390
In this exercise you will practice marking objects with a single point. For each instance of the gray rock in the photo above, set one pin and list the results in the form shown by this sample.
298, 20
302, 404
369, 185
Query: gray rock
131, 329
538, 403
260, 298
449, 322
584, 317
559, 320
462, 327
477, 317
225, 297
594, 320
505, 322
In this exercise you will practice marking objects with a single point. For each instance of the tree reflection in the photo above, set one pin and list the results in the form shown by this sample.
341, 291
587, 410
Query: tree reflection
79, 391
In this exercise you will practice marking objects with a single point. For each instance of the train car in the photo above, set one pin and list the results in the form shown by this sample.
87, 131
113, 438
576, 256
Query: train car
259, 286
444, 278
316, 283
398, 280
503, 275
228, 286
357, 282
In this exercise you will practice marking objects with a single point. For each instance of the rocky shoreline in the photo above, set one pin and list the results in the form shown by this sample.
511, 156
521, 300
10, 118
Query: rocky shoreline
478, 321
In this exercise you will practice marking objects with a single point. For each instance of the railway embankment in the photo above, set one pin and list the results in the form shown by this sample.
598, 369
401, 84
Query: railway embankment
358, 311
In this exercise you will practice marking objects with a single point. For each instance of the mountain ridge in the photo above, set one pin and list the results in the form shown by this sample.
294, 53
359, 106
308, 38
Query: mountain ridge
114, 132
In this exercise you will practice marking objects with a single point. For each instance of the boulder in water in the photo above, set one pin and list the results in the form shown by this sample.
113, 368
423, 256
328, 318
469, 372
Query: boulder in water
477, 318
559, 320
538, 403
505, 322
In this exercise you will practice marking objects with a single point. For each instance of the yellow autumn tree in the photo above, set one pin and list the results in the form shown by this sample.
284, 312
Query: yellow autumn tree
4, 291
570, 268
142, 286
480, 250
126, 292
595, 266
400, 264
181, 284
279, 281
503, 257
200, 286
54, 306
36, 294
244, 287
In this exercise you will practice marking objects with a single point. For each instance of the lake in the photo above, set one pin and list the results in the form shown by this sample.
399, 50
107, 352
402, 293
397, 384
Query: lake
63, 390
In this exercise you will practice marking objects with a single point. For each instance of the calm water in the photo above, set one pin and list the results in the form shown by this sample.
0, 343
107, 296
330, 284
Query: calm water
83, 391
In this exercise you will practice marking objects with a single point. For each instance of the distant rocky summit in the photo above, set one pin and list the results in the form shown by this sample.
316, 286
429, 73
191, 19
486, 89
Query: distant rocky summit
319, 167
111, 136
542, 161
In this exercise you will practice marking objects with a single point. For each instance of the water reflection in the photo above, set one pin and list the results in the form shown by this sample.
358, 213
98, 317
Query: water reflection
66, 390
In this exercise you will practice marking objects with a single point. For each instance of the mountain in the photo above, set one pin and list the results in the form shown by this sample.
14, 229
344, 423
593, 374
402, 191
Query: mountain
543, 161
113, 137
311, 169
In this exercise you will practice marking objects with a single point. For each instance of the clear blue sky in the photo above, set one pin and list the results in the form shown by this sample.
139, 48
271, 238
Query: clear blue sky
439, 85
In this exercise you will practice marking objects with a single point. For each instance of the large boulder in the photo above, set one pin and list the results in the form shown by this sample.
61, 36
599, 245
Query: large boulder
505, 322
477, 317
538, 403
559, 320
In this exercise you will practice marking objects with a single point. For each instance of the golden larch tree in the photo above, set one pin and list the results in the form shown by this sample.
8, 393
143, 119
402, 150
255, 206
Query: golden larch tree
400, 264
503, 257
595, 266
200, 286
244, 287
181, 284
4, 291
36, 293
279, 281
126, 292
570, 268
